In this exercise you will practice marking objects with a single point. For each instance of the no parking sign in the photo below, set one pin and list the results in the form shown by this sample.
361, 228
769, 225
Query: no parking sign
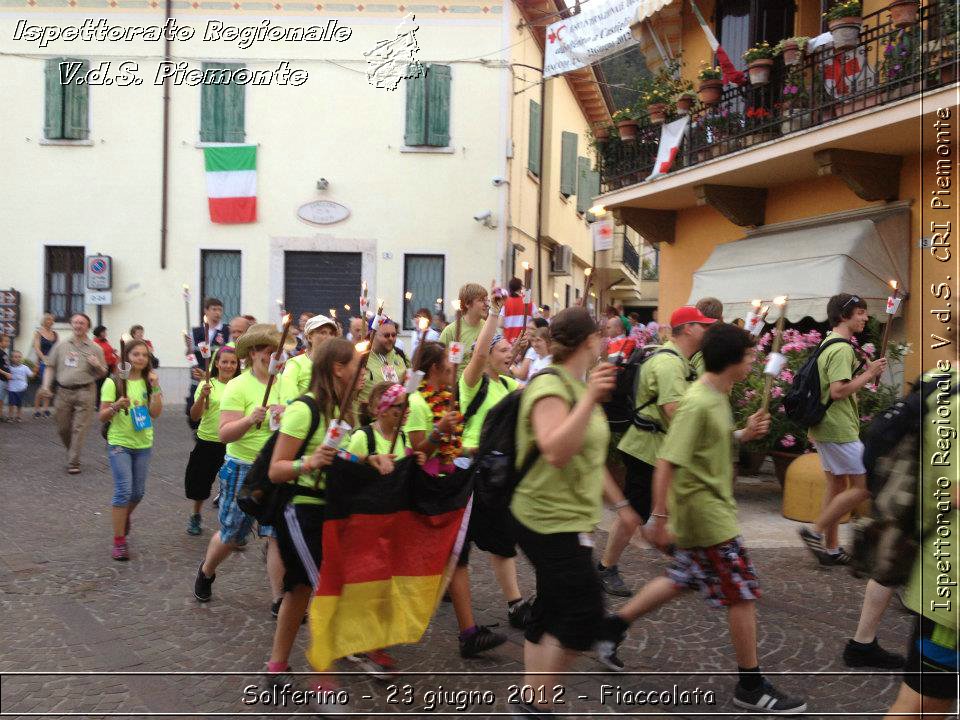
99, 272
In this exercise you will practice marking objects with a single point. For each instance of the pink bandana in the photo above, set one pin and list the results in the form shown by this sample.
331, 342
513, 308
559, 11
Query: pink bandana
389, 397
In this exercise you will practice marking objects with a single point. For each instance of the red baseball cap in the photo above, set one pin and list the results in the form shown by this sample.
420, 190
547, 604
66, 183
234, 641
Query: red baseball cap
689, 314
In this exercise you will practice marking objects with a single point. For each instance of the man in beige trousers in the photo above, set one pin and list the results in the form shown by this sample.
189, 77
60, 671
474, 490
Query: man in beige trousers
75, 364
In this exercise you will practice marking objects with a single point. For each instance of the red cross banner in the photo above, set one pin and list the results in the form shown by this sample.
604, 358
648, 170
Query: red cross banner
671, 135
848, 72
602, 231
600, 29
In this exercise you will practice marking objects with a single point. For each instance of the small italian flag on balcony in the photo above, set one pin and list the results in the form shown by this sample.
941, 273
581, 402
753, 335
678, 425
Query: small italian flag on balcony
232, 183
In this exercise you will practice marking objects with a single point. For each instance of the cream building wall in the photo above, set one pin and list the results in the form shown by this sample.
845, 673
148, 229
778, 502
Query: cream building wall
105, 195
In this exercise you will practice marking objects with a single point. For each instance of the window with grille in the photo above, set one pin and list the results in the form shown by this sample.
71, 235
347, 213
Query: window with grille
423, 277
63, 287
221, 279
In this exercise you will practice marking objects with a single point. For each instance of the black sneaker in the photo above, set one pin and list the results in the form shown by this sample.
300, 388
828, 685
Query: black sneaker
612, 582
479, 641
814, 543
838, 558
519, 614
608, 642
871, 655
527, 710
203, 585
767, 699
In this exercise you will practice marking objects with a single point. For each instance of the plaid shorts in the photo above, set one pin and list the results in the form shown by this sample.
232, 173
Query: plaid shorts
722, 573
235, 524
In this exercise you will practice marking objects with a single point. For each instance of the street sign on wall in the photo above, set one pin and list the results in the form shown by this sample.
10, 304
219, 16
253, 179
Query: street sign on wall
99, 272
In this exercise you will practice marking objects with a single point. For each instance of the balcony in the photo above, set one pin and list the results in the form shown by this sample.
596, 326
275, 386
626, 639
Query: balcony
619, 269
888, 66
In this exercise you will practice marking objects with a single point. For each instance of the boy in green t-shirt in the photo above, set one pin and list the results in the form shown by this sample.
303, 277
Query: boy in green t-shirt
694, 481
837, 435
474, 306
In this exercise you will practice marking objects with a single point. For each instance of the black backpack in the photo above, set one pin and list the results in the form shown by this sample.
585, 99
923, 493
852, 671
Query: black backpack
802, 401
367, 431
474, 407
886, 544
263, 499
620, 408
495, 473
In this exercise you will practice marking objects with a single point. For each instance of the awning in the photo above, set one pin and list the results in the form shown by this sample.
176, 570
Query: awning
809, 264
661, 27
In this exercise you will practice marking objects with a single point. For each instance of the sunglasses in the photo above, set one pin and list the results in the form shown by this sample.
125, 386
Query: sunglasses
852, 300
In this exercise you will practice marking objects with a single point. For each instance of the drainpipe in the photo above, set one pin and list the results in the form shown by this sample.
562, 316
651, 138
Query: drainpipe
165, 161
540, 192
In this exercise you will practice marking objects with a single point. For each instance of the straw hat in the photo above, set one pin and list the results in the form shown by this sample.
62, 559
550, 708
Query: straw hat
256, 335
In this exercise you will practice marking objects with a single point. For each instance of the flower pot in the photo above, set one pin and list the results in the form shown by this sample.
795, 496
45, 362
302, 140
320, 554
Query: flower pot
710, 91
791, 53
628, 130
846, 32
903, 13
759, 71
684, 103
657, 113
601, 133
749, 462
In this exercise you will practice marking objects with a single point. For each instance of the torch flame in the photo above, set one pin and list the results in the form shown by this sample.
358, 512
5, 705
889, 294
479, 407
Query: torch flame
286, 319
439, 301
525, 265
587, 272
780, 300
185, 287
893, 284
764, 310
347, 308
408, 295
333, 313
362, 347
423, 323
756, 303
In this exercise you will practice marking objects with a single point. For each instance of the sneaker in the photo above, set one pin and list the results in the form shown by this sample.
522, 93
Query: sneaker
193, 525
768, 699
835, 558
528, 710
203, 585
814, 543
36, 414
120, 551
378, 664
275, 607
480, 640
871, 655
612, 583
519, 614
46, 413
216, 501
608, 642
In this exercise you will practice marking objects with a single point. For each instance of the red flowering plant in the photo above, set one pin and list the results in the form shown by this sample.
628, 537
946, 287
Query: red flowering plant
786, 435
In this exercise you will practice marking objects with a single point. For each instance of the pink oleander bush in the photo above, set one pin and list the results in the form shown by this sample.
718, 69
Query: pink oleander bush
785, 435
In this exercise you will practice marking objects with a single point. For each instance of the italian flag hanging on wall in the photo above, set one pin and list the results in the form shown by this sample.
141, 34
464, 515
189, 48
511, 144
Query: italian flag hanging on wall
232, 183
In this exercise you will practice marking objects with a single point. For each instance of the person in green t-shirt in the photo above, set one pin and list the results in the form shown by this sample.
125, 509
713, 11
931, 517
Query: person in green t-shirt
930, 671
435, 427
130, 413
483, 384
389, 409
474, 306
559, 499
297, 370
385, 363
208, 452
663, 379
245, 425
837, 435
712, 308
300, 458
693, 489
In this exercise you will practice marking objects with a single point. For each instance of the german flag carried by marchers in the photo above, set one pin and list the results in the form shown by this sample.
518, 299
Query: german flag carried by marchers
390, 545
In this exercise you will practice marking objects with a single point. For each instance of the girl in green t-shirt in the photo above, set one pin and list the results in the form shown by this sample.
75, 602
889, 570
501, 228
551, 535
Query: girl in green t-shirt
130, 414
206, 458
387, 404
300, 458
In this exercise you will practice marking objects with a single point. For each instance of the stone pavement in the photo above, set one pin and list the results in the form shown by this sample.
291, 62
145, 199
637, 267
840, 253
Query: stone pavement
70, 611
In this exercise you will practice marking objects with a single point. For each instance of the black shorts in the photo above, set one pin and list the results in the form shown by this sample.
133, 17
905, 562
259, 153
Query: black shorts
492, 531
569, 602
300, 538
931, 668
638, 487
205, 462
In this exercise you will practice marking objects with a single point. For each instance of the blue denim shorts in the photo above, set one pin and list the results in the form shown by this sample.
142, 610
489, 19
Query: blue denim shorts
235, 524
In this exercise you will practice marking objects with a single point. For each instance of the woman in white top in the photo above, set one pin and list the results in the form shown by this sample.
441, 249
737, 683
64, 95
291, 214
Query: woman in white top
537, 356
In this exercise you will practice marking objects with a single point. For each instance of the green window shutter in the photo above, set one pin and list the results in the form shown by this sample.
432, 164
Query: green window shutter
583, 184
594, 184
438, 105
568, 163
53, 100
233, 109
533, 154
76, 97
211, 108
415, 132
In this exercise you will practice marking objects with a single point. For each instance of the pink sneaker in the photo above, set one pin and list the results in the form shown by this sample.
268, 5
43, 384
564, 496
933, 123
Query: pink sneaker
120, 550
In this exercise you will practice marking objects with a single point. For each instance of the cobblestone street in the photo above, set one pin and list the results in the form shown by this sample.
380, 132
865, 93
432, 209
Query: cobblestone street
68, 608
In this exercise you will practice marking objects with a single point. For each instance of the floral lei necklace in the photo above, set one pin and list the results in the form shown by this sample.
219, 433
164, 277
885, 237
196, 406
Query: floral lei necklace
441, 402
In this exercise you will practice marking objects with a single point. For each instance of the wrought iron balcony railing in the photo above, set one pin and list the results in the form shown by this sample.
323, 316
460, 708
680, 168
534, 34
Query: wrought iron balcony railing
887, 64
631, 258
